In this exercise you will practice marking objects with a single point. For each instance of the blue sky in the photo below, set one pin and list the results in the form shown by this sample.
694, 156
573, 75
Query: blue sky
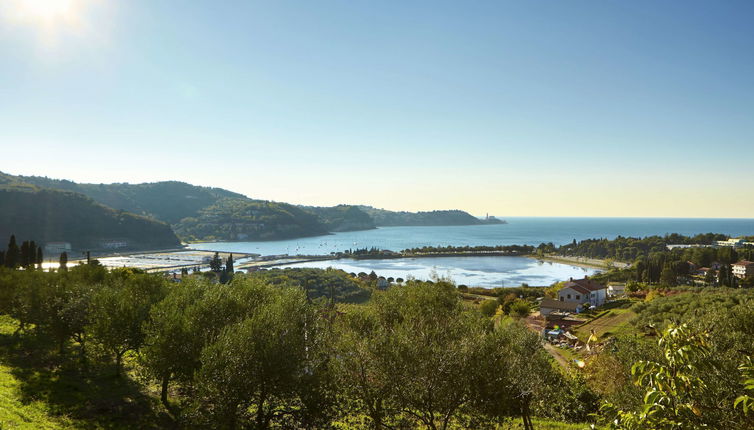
599, 108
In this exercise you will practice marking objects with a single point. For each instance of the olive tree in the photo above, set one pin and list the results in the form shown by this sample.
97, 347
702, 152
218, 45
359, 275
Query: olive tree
259, 371
119, 310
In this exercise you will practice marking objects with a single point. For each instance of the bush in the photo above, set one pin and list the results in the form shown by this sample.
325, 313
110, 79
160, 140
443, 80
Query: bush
488, 308
520, 309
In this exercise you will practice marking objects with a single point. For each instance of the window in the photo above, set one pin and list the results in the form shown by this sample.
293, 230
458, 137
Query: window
578, 297
561, 298
569, 297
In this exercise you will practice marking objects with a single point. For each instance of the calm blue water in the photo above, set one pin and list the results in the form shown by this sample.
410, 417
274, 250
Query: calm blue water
519, 230
472, 271
481, 271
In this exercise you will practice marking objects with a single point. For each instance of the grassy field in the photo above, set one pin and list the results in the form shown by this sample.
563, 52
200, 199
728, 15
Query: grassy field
612, 322
41, 390
15, 414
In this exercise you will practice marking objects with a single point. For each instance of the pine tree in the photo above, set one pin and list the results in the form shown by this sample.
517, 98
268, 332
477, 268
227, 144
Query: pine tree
216, 264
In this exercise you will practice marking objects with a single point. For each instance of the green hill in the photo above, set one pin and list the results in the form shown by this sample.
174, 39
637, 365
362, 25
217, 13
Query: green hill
244, 219
386, 218
47, 215
168, 201
204, 213
342, 217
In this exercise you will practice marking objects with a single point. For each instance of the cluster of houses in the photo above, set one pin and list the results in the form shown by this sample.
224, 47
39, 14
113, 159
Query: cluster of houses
579, 294
742, 269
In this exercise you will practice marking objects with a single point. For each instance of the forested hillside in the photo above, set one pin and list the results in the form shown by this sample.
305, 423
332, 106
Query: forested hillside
169, 201
342, 217
387, 218
243, 219
47, 215
204, 213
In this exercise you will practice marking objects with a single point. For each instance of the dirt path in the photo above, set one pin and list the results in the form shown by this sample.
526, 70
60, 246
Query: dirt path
536, 324
562, 361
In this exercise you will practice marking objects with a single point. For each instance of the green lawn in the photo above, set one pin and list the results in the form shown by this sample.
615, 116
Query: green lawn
15, 414
40, 390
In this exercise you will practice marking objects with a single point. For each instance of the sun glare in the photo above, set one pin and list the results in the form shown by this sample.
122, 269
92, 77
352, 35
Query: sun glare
48, 16
46, 9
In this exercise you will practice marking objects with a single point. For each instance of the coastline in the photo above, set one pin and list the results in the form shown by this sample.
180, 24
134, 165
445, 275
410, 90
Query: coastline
589, 263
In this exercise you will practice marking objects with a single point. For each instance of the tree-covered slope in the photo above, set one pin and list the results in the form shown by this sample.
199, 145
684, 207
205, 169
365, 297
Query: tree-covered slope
342, 217
384, 217
244, 219
47, 215
168, 201
326, 284
203, 213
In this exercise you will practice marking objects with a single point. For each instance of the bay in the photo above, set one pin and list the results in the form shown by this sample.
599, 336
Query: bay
518, 231
481, 271
472, 271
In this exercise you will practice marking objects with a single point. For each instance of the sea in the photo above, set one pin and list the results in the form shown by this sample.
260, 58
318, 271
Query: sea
481, 271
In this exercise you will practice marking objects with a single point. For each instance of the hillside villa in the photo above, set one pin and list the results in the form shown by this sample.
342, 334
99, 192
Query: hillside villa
743, 269
583, 291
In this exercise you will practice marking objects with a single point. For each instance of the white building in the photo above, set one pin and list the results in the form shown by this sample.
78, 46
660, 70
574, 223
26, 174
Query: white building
734, 243
615, 289
743, 268
56, 248
583, 291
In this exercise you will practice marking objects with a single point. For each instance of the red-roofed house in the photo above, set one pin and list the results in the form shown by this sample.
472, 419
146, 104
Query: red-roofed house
583, 291
743, 268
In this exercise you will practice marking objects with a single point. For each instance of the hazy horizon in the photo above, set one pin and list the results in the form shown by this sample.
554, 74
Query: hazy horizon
577, 109
479, 215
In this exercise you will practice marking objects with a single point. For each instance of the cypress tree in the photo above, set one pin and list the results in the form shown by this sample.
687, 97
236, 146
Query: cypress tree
13, 255
2, 258
24, 261
229, 265
40, 257
32, 255
64, 262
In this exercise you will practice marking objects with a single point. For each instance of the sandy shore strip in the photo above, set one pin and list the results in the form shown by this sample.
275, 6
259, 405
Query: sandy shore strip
591, 263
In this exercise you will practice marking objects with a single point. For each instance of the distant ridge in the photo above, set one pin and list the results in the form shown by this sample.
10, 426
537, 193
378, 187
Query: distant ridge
386, 218
199, 213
